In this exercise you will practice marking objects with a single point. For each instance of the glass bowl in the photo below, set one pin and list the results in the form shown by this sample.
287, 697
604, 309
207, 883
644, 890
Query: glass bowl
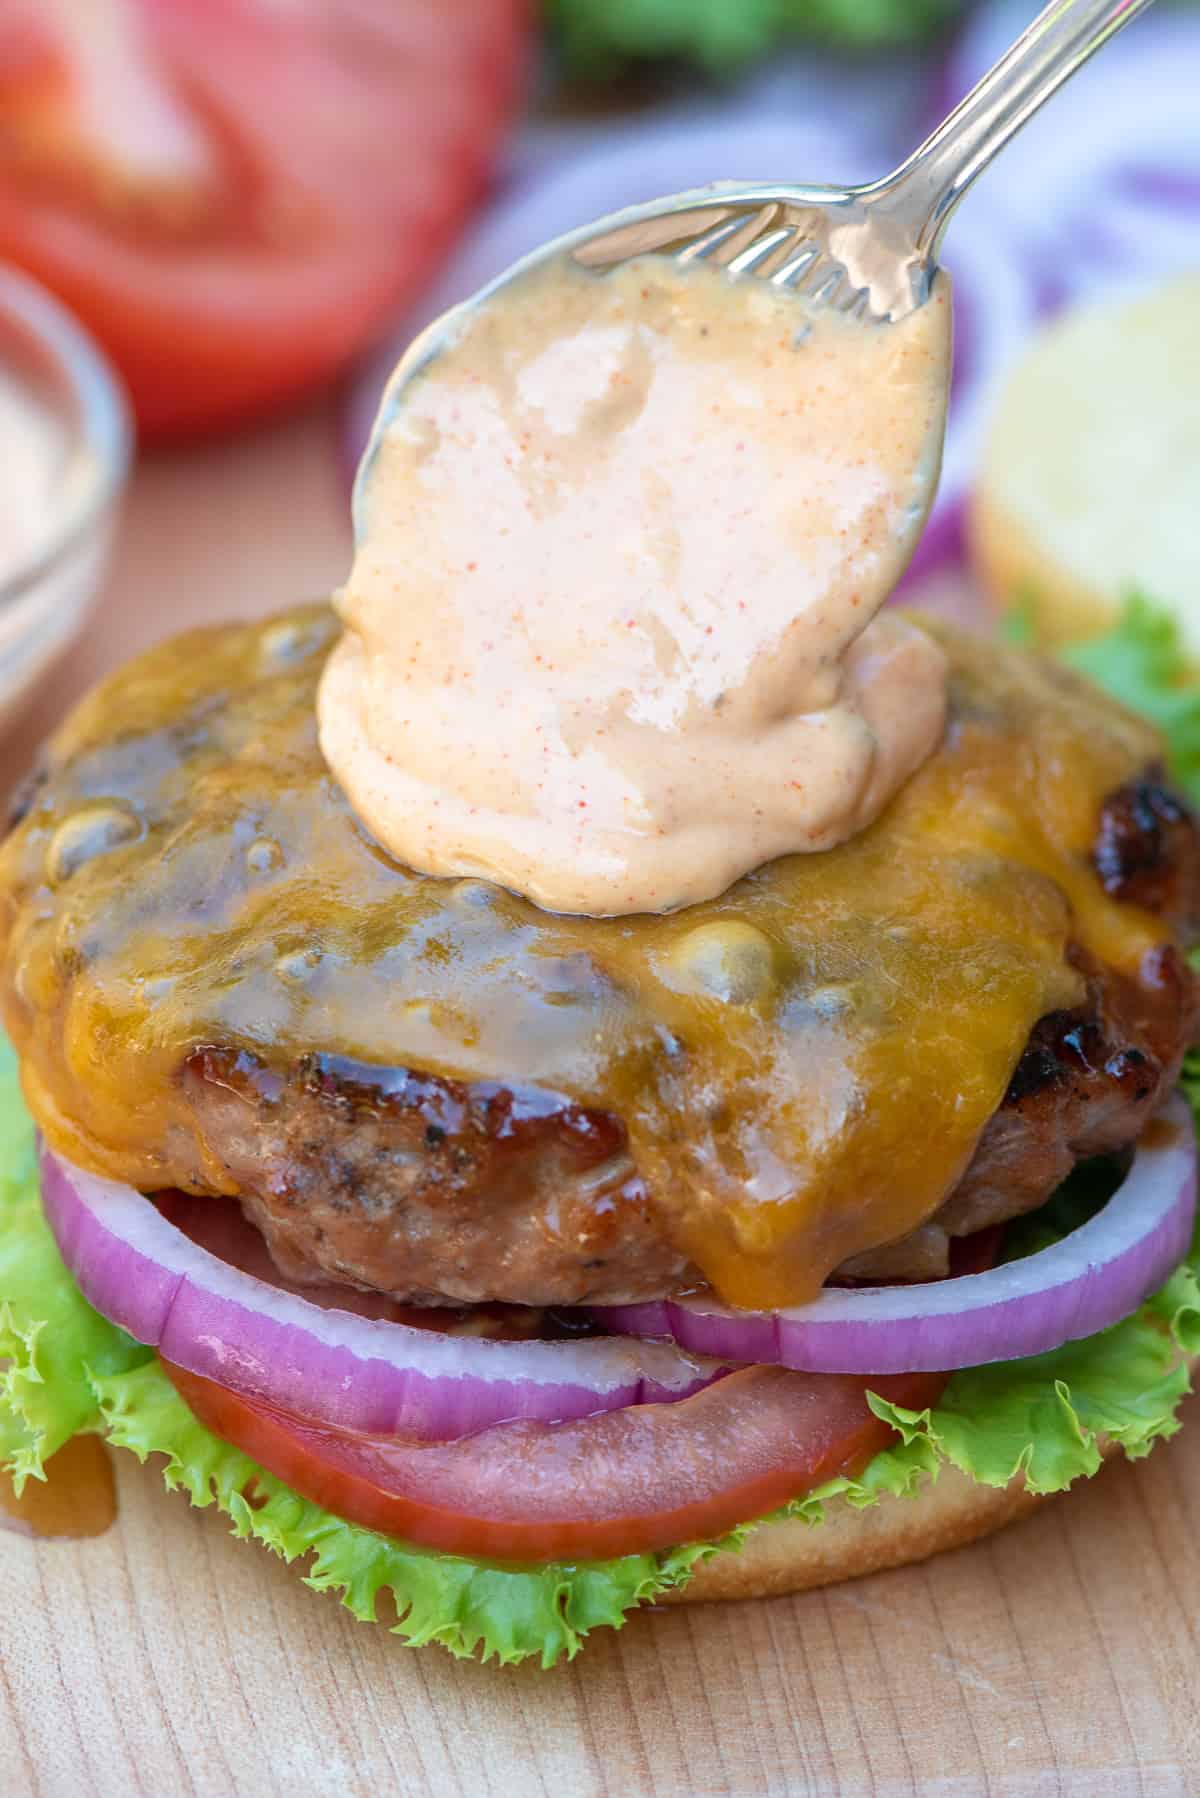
52, 555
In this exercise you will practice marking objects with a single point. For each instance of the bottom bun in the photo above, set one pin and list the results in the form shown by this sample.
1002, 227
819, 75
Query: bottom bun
789, 1555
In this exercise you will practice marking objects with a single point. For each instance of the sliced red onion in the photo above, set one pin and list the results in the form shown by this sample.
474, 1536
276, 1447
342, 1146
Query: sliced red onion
360, 1373
1089, 1280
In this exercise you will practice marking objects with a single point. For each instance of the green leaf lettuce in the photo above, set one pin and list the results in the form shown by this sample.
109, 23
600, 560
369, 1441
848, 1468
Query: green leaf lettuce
1141, 661
598, 37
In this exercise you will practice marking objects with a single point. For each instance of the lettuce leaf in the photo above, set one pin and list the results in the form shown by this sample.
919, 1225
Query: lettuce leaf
1044, 1417
1142, 662
597, 37
542, 1612
63, 1369
48, 1333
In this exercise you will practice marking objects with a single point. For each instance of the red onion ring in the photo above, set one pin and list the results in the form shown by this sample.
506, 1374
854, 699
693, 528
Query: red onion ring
354, 1372
1089, 1280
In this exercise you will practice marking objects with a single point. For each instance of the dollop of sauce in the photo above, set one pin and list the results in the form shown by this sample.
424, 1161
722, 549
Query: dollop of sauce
802, 1067
611, 636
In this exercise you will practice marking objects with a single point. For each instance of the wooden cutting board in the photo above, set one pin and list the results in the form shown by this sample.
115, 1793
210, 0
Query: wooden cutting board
165, 1658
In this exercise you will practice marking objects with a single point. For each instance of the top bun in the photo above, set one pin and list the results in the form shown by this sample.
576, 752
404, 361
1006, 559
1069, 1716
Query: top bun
1088, 485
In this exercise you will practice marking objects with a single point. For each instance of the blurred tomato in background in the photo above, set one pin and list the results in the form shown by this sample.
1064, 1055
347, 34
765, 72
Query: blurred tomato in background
236, 194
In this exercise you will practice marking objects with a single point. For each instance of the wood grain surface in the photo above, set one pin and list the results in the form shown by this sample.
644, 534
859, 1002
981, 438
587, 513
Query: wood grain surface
165, 1658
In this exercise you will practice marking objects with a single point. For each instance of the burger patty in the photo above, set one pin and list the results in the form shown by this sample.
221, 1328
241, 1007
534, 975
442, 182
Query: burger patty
445, 1191
217, 981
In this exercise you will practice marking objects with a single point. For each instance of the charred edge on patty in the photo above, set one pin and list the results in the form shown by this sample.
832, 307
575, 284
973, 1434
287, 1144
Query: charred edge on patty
1144, 853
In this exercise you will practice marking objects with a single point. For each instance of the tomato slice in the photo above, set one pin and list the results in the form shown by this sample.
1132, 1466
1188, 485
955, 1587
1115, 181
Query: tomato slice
236, 194
622, 1482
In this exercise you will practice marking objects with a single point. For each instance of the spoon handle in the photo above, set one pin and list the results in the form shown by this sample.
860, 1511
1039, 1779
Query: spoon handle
922, 193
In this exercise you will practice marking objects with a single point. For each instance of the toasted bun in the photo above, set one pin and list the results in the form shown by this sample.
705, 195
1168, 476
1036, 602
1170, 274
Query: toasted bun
1086, 487
792, 1556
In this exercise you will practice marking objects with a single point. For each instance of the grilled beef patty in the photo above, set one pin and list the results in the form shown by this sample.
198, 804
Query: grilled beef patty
217, 981
440, 1191
486, 1178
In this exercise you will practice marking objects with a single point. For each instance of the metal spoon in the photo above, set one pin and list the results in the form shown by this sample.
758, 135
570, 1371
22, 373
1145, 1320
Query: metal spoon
870, 251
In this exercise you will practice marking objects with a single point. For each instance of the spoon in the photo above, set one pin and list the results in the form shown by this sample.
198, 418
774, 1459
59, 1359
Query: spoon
870, 251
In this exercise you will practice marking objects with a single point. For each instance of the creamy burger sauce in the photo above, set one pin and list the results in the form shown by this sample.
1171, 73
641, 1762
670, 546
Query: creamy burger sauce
611, 635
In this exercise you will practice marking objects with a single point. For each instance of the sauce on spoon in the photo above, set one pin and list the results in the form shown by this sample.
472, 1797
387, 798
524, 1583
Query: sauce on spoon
611, 634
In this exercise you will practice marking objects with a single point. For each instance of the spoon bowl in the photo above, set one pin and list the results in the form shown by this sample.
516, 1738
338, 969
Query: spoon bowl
869, 251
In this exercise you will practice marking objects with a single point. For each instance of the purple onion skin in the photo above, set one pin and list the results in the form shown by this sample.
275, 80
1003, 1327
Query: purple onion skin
267, 1357
124, 1286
